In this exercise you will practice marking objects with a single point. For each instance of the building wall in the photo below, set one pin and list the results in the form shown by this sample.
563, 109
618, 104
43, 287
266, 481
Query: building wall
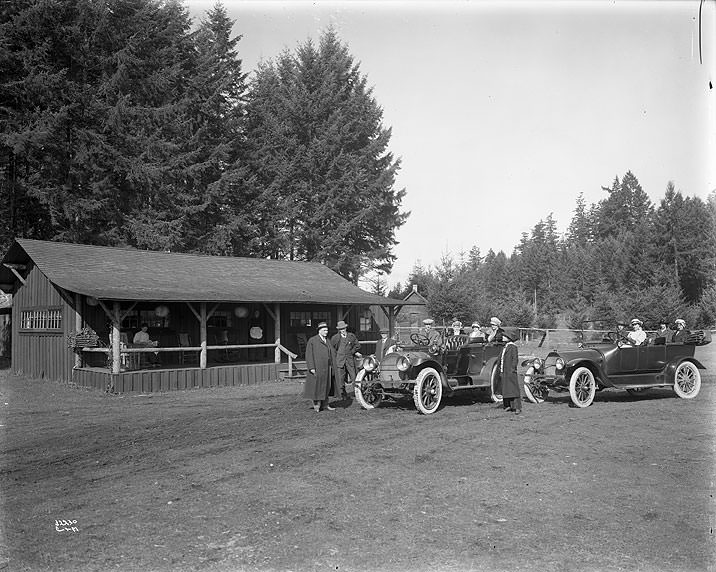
41, 354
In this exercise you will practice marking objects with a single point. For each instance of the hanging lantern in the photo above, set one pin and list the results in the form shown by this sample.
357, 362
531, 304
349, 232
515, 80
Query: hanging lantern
161, 311
241, 311
92, 301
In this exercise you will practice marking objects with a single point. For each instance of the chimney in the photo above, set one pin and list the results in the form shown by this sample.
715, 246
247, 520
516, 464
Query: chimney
415, 288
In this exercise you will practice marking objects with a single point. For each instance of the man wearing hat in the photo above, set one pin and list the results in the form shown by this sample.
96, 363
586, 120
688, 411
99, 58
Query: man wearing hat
663, 334
681, 332
637, 336
495, 334
511, 392
429, 332
320, 366
383, 344
347, 347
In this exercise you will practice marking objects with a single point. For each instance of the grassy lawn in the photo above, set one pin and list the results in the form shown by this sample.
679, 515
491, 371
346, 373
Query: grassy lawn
254, 479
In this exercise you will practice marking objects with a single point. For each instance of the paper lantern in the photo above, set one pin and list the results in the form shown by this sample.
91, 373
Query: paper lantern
241, 311
161, 311
92, 301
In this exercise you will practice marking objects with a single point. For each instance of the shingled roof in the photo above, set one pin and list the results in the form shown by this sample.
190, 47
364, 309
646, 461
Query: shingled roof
130, 274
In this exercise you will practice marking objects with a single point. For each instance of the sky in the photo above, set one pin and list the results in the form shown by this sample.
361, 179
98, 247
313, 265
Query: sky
504, 112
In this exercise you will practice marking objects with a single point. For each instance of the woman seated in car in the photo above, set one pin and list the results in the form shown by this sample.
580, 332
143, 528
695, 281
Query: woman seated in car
681, 332
637, 336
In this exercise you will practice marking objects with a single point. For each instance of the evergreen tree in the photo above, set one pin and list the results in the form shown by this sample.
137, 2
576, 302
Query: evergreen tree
328, 174
627, 208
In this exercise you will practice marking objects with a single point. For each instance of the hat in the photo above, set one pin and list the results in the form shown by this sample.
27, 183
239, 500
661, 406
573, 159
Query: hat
384, 331
321, 325
636, 321
495, 322
475, 325
510, 334
341, 325
680, 321
428, 321
457, 324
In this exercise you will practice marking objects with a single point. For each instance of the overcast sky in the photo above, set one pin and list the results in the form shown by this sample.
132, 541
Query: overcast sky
503, 112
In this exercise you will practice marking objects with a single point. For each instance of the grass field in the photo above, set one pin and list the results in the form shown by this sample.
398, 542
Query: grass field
254, 479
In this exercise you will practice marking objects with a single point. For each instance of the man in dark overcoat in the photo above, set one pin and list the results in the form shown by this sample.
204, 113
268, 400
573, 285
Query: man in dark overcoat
320, 369
347, 346
511, 392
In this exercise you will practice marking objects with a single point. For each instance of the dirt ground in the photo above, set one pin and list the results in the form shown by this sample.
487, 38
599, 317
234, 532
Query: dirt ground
254, 479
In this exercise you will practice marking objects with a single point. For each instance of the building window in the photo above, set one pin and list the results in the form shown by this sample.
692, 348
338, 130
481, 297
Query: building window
219, 319
365, 322
48, 319
135, 319
299, 319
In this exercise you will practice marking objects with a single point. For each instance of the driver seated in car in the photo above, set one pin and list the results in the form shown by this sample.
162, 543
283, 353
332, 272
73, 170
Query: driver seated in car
429, 332
637, 336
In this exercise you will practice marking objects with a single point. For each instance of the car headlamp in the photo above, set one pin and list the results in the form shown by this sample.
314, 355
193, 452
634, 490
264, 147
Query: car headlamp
537, 363
559, 364
403, 364
370, 363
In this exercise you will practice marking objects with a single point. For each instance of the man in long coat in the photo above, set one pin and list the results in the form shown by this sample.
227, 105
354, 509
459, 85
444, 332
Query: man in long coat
511, 393
383, 344
320, 369
346, 346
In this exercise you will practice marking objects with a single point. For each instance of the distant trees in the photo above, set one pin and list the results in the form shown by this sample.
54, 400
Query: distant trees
619, 258
121, 125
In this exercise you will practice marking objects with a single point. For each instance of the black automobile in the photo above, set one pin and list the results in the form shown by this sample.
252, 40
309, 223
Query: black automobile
611, 361
429, 370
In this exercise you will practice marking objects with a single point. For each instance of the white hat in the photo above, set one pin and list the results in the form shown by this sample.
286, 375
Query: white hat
457, 324
636, 321
680, 321
475, 324
495, 321
428, 321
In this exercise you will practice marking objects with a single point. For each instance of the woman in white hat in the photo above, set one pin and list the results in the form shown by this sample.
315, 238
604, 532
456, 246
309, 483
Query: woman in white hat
637, 336
495, 334
476, 333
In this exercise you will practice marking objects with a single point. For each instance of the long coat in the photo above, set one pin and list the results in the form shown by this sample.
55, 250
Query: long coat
320, 357
508, 371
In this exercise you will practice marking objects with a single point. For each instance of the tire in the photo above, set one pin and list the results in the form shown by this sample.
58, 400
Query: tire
687, 380
368, 394
582, 387
494, 396
428, 391
534, 394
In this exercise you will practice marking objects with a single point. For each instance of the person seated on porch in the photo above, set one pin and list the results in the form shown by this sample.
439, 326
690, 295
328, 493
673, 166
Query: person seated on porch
141, 338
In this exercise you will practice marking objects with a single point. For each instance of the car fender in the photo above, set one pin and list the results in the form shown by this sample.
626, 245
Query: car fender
437, 366
670, 369
596, 369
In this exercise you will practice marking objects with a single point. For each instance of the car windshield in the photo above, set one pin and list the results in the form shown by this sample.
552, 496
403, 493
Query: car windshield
596, 331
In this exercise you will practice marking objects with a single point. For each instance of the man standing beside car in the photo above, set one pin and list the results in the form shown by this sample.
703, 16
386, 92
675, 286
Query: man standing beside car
511, 393
383, 344
347, 347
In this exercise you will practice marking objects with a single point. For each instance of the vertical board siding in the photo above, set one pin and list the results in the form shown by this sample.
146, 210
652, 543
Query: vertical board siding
178, 379
41, 354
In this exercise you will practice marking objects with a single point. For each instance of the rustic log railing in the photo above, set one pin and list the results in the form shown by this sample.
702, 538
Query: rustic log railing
153, 350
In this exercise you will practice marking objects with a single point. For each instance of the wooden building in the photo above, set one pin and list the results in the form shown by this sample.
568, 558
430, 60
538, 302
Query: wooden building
212, 320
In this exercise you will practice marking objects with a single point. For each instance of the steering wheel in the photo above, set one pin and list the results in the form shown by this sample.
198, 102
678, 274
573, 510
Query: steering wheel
420, 339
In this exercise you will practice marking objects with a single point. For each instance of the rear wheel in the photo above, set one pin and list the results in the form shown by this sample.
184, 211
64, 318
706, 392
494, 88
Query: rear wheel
495, 395
582, 387
533, 393
368, 394
428, 391
687, 380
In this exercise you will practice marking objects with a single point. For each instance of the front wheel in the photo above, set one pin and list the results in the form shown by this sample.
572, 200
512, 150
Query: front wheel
533, 393
368, 394
687, 380
582, 387
428, 391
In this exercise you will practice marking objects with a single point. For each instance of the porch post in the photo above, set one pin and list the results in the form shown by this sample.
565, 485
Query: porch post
116, 355
202, 335
391, 321
78, 327
277, 331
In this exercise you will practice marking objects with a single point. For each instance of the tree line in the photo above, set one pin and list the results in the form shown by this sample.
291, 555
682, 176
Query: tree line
123, 125
620, 258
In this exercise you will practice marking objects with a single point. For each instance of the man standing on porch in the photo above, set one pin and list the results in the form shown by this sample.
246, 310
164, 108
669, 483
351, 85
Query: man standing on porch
320, 366
347, 347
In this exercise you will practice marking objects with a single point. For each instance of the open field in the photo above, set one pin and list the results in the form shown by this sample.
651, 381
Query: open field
253, 479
